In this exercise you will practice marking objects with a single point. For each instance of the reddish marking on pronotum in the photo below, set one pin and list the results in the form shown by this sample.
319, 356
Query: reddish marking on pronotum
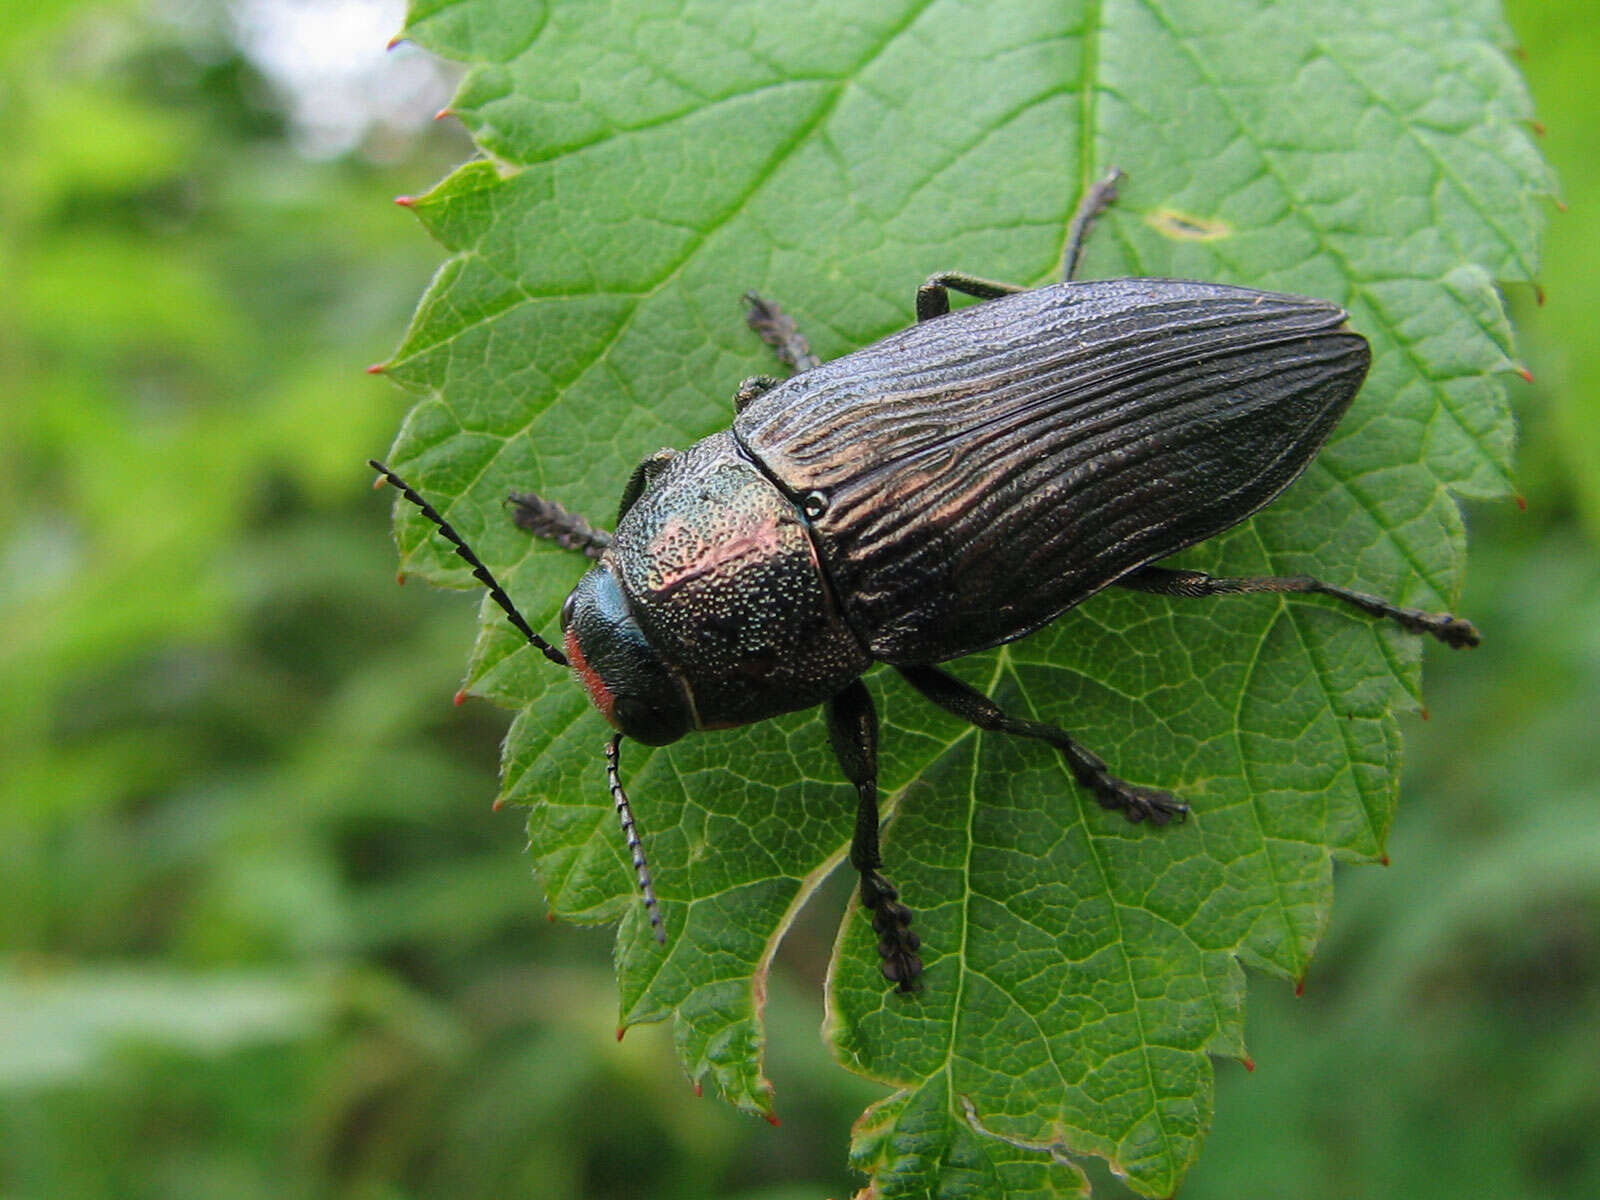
460, 698
405, 201
1522, 503
377, 369
1527, 375
1249, 1063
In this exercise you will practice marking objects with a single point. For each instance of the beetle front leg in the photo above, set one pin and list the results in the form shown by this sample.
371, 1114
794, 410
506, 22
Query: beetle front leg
778, 330
547, 519
853, 729
933, 297
1455, 632
1134, 802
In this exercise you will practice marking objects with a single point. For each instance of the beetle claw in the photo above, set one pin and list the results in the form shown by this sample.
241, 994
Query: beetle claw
1143, 803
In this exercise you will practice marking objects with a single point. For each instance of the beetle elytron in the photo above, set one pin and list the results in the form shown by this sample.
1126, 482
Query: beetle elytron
953, 487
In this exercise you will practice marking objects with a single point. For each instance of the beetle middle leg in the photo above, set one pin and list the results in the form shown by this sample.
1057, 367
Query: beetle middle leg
1089, 769
933, 297
1095, 201
1453, 631
853, 729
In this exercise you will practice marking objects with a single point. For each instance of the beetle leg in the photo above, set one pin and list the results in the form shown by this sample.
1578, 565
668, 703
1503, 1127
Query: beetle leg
642, 477
1095, 201
1134, 802
853, 729
756, 385
547, 519
1453, 631
933, 297
778, 330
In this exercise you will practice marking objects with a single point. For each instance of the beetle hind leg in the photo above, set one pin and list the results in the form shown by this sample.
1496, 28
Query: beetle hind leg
1089, 769
1455, 632
853, 729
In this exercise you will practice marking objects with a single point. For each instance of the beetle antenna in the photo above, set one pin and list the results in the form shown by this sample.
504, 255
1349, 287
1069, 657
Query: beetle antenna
631, 832
479, 572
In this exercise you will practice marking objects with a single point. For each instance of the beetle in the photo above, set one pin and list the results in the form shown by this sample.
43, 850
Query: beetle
950, 488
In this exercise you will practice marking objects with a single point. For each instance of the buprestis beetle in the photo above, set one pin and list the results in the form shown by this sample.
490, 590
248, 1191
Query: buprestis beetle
951, 488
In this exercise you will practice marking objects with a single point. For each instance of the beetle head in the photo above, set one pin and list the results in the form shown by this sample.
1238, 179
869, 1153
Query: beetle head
628, 681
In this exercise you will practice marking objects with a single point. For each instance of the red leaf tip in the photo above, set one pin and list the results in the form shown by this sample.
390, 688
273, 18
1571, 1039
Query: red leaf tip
443, 113
377, 368
772, 1119
405, 201
1522, 503
400, 578
621, 1029
1525, 374
1383, 860
1299, 987
1248, 1063
398, 39
698, 1090
460, 698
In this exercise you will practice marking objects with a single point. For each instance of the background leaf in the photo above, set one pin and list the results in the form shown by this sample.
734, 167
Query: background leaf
645, 169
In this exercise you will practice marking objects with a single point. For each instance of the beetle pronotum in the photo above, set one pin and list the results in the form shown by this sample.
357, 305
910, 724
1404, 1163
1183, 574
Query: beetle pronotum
951, 488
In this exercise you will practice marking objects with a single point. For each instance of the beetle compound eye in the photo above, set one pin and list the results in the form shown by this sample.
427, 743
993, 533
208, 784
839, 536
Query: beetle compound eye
566, 610
814, 505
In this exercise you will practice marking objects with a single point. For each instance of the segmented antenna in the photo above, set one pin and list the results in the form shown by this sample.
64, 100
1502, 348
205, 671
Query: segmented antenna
479, 572
631, 832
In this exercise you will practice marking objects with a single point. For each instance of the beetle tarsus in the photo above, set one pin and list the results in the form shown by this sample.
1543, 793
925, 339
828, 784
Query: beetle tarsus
853, 730
778, 330
1095, 201
549, 520
1456, 632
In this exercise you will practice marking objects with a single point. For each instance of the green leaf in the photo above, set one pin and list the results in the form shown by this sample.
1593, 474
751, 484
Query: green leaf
648, 165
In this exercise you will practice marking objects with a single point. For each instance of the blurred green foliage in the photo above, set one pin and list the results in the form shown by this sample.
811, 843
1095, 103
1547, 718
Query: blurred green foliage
261, 935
